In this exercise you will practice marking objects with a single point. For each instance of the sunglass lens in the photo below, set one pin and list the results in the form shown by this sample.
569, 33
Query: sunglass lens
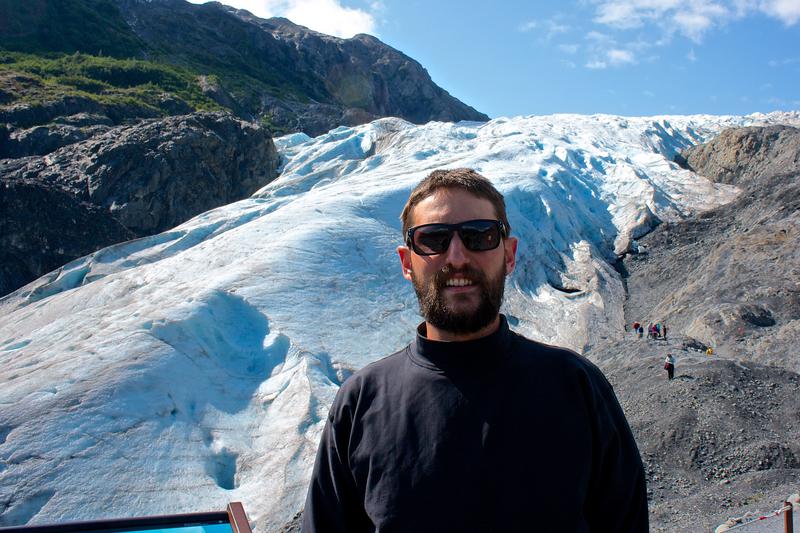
432, 239
480, 235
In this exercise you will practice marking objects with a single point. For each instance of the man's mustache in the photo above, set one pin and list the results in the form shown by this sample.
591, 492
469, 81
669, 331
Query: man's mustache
448, 271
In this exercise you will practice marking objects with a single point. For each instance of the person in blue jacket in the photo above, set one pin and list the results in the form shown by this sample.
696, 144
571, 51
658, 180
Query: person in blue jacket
472, 427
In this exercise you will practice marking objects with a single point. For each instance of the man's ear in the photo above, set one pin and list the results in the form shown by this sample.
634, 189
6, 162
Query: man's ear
405, 261
510, 253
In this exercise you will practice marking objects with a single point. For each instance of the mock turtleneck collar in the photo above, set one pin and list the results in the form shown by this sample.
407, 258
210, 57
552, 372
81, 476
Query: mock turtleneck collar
485, 352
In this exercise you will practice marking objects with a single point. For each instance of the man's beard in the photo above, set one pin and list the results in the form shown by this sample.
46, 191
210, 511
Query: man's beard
435, 311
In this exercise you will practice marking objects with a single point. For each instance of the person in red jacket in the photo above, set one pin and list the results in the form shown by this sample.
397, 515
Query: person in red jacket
669, 366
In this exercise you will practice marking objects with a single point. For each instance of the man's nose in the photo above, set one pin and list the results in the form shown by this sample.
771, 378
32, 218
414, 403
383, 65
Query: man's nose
457, 253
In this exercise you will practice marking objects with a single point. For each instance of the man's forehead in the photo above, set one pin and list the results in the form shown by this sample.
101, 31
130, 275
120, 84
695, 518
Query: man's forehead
452, 205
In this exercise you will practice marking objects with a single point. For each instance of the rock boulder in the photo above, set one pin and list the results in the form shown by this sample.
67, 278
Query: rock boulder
140, 179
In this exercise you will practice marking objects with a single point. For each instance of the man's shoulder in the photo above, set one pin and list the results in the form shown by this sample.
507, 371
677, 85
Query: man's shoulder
554, 357
378, 371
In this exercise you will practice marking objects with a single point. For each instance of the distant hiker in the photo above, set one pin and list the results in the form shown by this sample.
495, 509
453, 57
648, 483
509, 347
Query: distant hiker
709, 351
669, 366
472, 427
657, 329
664, 330
636, 327
640, 331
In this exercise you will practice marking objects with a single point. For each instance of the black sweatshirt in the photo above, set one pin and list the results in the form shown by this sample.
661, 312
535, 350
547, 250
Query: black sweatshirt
497, 434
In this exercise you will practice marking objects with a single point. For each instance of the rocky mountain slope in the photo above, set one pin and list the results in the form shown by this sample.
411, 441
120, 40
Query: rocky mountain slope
718, 441
731, 277
289, 77
123, 183
721, 439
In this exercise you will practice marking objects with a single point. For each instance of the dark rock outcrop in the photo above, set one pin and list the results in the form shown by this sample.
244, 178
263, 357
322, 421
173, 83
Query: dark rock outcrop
42, 227
41, 140
129, 182
730, 277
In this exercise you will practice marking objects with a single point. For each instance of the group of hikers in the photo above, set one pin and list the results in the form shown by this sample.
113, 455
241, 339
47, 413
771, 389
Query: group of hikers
656, 330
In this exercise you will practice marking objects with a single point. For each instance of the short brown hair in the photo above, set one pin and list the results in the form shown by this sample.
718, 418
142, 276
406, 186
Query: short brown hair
465, 179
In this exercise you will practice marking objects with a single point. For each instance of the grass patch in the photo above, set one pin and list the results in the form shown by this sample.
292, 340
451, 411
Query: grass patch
109, 81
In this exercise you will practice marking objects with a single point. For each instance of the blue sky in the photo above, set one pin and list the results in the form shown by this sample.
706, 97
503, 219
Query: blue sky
636, 57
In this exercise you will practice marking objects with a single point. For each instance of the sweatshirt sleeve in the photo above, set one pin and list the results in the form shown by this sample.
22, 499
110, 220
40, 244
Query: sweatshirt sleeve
617, 499
333, 503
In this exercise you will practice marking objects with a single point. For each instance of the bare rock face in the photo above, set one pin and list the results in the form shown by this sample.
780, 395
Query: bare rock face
741, 155
140, 179
42, 227
730, 278
41, 140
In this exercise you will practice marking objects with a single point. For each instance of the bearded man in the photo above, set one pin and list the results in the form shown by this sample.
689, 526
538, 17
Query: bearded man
473, 427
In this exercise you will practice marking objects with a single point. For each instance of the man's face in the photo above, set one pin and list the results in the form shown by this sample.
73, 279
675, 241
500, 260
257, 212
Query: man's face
459, 290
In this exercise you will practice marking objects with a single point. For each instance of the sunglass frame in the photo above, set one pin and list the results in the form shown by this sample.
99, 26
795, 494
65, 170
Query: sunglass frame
453, 229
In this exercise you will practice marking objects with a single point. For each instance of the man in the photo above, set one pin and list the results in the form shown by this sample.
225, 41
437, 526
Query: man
472, 427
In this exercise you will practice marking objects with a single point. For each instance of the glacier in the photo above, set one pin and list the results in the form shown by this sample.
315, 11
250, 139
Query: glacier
178, 372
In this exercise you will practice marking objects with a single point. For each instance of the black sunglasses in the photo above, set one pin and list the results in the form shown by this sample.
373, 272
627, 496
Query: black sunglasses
477, 235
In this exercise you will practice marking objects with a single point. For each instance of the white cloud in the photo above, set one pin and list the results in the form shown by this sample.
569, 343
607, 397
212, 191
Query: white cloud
783, 62
786, 10
598, 37
325, 16
694, 22
604, 52
621, 57
691, 56
690, 18
569, 48
548, 28
649, 94
785, 104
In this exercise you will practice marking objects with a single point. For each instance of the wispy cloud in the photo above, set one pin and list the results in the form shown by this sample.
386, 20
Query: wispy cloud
784, 103
605, 52
621, 57
786, 10
691, 56
547, 28
325, 16
783, 62
691, 18
569, 48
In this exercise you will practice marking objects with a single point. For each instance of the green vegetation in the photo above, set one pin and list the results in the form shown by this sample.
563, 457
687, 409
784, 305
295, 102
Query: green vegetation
65, 26
108, 81
52, 49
